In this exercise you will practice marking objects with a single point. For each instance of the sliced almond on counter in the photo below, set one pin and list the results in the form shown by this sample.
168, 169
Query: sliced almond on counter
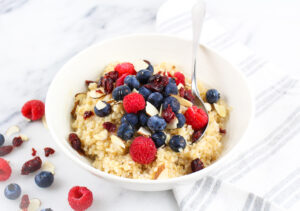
44, 121
151, 110
221, 110
34, 205
207, 106
183, 101
48, 166
12, 130
172, 124
117, 141
24, 137
159, 170
100, 105
144, 132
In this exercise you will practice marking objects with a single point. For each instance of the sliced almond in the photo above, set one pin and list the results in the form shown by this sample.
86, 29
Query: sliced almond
160, 110
101, 136
100, 105
221, 110
135, 91
159, 170
117, 141
144, 132
44, 121
183, 101
12, 130
80, 96
73, 112
164, 174
173, 124
24, 137
94, 94
34, 205
151, 110
48, 166
140, 65
207, 106
180, 86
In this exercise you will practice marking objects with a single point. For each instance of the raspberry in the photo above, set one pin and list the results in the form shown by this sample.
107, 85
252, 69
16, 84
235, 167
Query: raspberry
80, 198
125, 67
133, 103
179, 78
5, 170
143, 150
33, 109
196, 117
120, 80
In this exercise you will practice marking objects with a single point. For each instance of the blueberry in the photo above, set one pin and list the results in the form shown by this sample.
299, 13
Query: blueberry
150, 67
171, 88
173, 102
132, 82
212, 96
145, 92
47, 209
2, 139
156, 123
44, 179
143, 118
155, 99
131, 119
102, 109
181, 120
177, 143
12, 191
120, 92
125, 131
143, 76
159, 139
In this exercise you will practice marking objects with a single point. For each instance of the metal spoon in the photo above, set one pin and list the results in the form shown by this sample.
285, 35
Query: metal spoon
198, 13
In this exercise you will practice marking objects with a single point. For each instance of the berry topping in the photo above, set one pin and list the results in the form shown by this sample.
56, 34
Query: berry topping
120, 92
33, 109
80, 198
132, 82
47, 209
143, 76
24, 202
31, 166
196, 135
145, 92
159, 139
5, 170
110, 127
155, 99
4, 150
125, 131
212, 96
173, 102
143, 150
44, 179
222, 131
186, 94
125, 67
157, 83
143, 118
102, 108
171, 88
120, 80
177, 143
131, 119
196, 117
179, 78
113, 75
75, 142
168, 114
196, 165
133, 103
17, 141
2, 139
107, 84
12, 191
87, 114
150, 67
49, 151
156, 123
88, 82
181, 120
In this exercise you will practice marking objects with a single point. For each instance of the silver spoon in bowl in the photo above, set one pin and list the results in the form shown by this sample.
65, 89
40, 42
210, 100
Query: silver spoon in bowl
198, 12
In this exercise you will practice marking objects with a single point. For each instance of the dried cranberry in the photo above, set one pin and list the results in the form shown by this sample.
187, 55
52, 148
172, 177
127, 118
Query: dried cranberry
99, 91
189, 96
181, 92
24, 202
110, 127
31, 166
75, 142
107, 84
157, 83
222, 131
88, 82
168, 114
197, 165
196, 135
48, 151
4, 150
87, 114
17, 141
113, 75
33, 152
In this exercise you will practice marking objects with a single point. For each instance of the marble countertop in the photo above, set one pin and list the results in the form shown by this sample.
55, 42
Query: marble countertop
37, 37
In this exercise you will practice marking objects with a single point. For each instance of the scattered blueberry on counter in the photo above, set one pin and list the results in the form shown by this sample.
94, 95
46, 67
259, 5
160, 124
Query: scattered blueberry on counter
44, 179
2, 139
12, 191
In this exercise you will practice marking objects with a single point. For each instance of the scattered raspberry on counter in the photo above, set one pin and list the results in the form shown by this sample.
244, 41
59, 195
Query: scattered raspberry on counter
31, 166
143, 150
133, 103
5, 170
80, 198
49, 151
33, 110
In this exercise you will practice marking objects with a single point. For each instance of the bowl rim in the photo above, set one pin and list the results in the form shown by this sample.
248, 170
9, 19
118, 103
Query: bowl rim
180, 179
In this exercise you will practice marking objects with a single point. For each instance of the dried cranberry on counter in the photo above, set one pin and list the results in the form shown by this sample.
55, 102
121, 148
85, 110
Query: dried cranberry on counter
24, 204
4, 150
33, 152
17, 141
31, 166
49, 151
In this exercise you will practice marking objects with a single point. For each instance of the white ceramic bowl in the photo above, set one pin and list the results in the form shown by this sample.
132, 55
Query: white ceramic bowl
213, 71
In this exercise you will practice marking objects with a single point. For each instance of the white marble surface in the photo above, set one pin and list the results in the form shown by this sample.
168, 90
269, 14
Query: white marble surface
37, 37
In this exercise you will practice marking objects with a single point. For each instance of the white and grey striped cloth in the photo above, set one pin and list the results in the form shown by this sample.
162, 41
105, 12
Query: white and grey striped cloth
269, 166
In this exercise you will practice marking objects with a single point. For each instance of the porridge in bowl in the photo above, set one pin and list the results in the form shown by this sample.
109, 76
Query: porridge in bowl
139, 121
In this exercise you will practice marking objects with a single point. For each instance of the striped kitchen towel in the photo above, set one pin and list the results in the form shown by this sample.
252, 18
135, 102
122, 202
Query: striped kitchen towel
269, 166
